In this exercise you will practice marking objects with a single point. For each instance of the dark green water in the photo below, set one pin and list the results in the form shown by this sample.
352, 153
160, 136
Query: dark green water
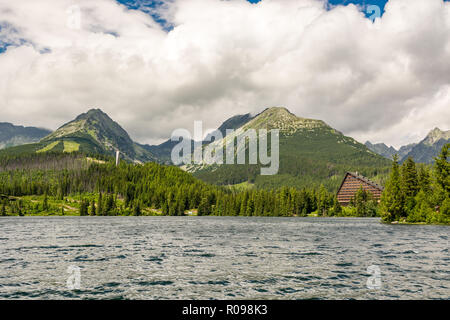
221, 258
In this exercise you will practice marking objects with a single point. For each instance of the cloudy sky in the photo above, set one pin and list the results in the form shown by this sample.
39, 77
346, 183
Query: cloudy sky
155, 66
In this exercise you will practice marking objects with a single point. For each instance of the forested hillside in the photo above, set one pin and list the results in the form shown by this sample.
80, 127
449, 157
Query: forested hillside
57, 183
311, 154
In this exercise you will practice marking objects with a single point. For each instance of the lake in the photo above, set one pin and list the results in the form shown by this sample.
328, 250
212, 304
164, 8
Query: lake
221, 258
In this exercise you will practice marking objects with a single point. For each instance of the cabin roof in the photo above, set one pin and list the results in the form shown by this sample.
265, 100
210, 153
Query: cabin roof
361, 178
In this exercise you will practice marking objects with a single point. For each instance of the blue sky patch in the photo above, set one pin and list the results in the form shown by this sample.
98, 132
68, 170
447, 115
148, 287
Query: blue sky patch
369, 7
372, 8
150, 7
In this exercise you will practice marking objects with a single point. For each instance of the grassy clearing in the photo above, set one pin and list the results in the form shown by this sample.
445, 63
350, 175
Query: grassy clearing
242, 186
70, 146
48, 147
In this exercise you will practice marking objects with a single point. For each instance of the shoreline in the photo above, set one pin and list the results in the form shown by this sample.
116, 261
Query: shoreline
213, 216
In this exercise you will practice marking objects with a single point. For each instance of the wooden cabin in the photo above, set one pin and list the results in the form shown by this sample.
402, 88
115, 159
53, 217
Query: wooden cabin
351, 184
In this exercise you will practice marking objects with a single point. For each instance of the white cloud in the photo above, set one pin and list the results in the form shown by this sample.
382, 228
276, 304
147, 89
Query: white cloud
385, 82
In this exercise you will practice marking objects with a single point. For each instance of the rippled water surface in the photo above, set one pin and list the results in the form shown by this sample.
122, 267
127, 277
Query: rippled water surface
221, 258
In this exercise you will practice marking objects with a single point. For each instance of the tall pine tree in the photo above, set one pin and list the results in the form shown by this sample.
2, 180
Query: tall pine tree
393, 199
442, 170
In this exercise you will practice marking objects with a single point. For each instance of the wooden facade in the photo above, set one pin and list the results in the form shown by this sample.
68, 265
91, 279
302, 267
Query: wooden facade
351, 184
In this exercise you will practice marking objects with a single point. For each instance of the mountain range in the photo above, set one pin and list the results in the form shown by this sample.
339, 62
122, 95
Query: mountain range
11, 135
311, 152
423, 152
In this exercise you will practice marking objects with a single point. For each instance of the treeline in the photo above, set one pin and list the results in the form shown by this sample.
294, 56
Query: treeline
104, 189
418, 193
44, 161
283, 202
299, 173
49, 161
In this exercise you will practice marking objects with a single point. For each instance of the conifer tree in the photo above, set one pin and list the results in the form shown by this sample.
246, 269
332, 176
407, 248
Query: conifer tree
250, 207
109, 204
137, 209
93, 209
322, 200
19, 209
243, 206
100, 204
45, 203
84, 206
165, 208
445, 210
337, 208
204, 208
442, 170
392, 199
424, 180
422, 208
361, 199
410, 183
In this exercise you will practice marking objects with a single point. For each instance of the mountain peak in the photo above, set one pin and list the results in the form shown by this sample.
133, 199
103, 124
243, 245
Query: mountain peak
279, 110
382, 149
93, 113
429, 147
94, 123
435, 135
284, 120
95, 131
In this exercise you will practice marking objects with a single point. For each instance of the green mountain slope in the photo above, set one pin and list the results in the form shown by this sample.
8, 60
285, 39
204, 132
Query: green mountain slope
91, 132
311, 153
11, 135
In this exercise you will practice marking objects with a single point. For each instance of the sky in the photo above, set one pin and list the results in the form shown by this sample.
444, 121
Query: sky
155, 66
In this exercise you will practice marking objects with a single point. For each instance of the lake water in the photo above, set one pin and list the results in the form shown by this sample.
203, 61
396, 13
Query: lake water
221, 258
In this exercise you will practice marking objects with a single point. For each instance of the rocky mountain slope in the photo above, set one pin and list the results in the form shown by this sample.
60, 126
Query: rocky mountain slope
423, 152
430, 147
